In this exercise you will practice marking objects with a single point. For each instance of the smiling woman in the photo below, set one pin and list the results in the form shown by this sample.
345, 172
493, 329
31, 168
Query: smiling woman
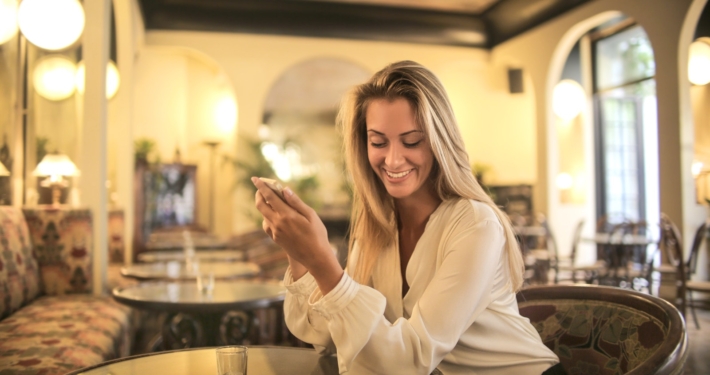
434, 266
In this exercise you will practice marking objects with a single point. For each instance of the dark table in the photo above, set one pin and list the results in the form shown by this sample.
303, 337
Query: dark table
263, 360
194, 319
176, 270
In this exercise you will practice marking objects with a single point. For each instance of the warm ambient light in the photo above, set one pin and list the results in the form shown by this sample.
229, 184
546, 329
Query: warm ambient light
568, 99
225, 114
8, 20
113, 79
51, 24
53, 77
699, 63
696, 168
564, 181
56, 167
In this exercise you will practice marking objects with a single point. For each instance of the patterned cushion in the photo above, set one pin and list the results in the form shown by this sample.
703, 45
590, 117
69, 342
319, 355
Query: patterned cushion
62, 239
116, 247
594, 337
19, 278
55, 335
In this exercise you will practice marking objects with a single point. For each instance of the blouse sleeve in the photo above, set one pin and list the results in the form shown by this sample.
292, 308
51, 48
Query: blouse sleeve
458, 293
301, 319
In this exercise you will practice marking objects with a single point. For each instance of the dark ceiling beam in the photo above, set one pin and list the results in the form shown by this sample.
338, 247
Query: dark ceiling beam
508, 18
316, 19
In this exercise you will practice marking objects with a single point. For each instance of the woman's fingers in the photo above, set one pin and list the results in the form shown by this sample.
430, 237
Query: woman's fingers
266, 226
270, 198
295, 201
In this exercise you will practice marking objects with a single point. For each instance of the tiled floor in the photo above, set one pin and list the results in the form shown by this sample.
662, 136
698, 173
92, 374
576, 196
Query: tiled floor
698, 345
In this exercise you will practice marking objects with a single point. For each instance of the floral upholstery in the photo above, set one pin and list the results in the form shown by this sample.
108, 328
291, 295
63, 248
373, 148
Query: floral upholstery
58, 334
595, 337
62, 240
19, 281
116, 245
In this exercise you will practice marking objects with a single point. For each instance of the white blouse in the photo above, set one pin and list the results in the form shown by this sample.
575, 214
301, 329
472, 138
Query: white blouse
458, 315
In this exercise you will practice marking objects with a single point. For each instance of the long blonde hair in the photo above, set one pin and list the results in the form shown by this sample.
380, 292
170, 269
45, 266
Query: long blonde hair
373, 223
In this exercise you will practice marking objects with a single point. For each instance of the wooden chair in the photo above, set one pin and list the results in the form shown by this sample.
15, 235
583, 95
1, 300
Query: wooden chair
671, 242
569, 267
604, 330
696, 285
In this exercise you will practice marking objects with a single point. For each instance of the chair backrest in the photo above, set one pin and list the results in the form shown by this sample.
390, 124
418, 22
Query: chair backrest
695, 248
616, 331
672, 246
576, 237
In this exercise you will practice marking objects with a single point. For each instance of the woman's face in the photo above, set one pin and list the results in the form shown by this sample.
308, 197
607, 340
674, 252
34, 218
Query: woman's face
397, 150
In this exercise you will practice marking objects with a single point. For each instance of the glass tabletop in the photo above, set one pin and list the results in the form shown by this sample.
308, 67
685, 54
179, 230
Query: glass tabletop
186, 297
176, 270
262, 360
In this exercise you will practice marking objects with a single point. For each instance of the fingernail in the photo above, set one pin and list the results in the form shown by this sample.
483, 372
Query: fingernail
288, 191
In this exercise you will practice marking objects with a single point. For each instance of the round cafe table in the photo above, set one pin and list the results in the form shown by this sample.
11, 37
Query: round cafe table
176, 270
195, 319
262, 360
200, 255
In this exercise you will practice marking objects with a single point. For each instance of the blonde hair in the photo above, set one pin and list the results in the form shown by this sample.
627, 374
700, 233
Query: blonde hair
373, 223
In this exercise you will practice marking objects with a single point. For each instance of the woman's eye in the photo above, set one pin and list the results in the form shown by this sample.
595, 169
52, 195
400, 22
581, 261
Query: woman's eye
411, 145
377, 145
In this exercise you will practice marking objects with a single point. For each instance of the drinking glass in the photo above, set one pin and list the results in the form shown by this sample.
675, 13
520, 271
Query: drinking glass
232, 360
205, 282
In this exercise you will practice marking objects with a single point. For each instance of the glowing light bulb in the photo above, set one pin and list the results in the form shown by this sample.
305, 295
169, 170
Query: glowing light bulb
225, 114
113, 79
564, 181
51, 24
568, 99
53, 77
8, 20
699, 63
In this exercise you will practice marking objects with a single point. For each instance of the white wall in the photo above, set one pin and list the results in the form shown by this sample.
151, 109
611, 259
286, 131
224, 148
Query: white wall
498, 127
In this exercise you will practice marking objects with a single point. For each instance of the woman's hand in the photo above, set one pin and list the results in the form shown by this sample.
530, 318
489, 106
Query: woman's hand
296, 227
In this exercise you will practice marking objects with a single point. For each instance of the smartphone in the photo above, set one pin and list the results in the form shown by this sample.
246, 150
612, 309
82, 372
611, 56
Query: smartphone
275, 186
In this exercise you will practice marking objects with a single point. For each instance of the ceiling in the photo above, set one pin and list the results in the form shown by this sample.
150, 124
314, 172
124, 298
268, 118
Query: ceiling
471, 23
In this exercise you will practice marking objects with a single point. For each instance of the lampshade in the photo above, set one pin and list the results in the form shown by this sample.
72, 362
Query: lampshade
56, 165
699, 63
53, 77
51, 24
3, 170
8, 20
568, 99
113, 78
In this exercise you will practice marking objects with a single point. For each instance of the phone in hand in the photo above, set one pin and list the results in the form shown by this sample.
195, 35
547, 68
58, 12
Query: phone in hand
275, 186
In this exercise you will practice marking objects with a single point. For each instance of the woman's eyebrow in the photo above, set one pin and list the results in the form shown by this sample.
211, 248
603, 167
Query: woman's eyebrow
401, 135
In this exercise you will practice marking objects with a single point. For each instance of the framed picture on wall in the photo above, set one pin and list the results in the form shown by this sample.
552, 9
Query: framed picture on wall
165, 198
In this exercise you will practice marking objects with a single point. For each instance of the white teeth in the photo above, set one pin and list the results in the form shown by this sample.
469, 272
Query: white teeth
398, 175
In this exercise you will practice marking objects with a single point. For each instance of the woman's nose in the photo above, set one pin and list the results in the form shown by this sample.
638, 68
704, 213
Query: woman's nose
394, 157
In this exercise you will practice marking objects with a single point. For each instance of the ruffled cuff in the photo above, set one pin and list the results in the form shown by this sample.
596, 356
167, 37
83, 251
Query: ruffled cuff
353, 313
301, 287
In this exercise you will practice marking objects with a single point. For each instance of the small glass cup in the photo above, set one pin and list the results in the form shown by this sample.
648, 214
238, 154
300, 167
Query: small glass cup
205, 283
232, 360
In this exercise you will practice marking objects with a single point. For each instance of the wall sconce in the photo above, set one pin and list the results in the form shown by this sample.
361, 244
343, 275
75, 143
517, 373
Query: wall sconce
56, 166
564, 181
8, 20
568, 99
113, 78
51, 24
225, 114
699, 63
53, 77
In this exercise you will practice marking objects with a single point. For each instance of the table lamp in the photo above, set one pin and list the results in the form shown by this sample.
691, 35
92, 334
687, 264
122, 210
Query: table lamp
56, 166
